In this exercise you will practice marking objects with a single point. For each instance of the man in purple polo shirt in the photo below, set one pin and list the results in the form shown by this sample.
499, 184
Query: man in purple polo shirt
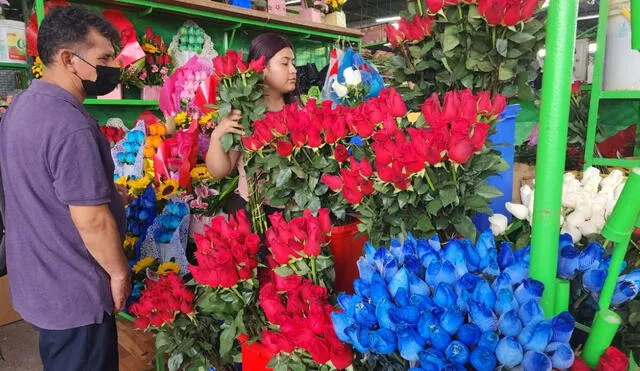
63, 217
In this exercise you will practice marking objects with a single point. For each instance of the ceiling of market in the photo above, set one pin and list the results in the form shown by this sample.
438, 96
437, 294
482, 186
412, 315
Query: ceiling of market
363, 13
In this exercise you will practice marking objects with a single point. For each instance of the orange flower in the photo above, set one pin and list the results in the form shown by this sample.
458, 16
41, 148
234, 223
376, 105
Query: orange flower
149, 151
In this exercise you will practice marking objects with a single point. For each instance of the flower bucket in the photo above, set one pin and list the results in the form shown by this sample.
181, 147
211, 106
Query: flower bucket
241, 3
255, 357
338, 19
277, 7
505, 134
346, 249
151, 92
116, 94
311, 14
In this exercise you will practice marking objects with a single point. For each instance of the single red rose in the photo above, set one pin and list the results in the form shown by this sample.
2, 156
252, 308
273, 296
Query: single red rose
396, 104
313, 245
289, 283
460, 129
319, 350
468, 106
242, 66
352, 195
150, 59
434, 6
341, 355
340, 153
579, 365
394, 36
451, 106
499, 104
432, 111
186, 307
333, 181
576, 88
325, 220
511, 16
367, 187
529, 8
479, 136
492, 10
258, 65
218, 66
284, 148
141, 323
613, 360
424, 23
460, 151
148, 33
276, 342
314, 140
484, 104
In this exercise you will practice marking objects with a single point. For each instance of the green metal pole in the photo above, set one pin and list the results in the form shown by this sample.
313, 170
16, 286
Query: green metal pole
39, 11
606, 325
625, 214
563, 293
609, 286
635, 24
552, 145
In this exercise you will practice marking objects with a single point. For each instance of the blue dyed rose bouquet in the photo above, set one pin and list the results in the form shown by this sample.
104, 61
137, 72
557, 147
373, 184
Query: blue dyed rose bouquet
167, 237
422, 305
128, 154
140, 213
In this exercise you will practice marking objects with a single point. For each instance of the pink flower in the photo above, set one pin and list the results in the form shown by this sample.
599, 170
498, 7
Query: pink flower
143, 75
164, 70
154, 69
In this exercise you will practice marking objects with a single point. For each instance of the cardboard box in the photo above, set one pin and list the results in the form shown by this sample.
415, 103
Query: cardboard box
7, 314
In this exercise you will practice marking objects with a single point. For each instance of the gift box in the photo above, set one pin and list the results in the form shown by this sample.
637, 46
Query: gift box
115, 94
311, 14
338, 19
151, 92
277, 7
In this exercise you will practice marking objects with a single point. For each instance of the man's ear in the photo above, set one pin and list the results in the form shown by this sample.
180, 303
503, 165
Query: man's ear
64, 58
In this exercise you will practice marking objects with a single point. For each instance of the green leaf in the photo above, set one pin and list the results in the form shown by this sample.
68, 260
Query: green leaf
227, 142
283, 177
450, 39
283, 271
475, 202
488, 191
162, 341
302, 198
501, 47
227, 339
314, 204
466, 228
521, 37
434, 206
403, 199
424, 223
313, 181
505, 73
448, 195
323, 262
422, 65
175, 361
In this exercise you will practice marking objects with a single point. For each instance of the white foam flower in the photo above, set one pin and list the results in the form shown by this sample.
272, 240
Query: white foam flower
575, 218
526, 193
518, 210
588, 228
499, 224
618, 191
598, 221
341, 90
614, 179
572, 230
352, 76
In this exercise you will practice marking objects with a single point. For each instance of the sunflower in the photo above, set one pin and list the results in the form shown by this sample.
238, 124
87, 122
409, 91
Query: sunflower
167, 267
122, 181
130, 242
206, 118
149, 48
143, 263
200, 172
141, 183
167, 189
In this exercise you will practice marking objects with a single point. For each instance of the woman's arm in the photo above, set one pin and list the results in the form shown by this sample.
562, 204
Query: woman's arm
221, 163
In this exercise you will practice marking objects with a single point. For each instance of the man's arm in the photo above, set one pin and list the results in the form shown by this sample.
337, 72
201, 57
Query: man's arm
100, 235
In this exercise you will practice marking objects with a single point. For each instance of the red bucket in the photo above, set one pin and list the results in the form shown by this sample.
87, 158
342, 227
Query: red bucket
346, 249
255, 357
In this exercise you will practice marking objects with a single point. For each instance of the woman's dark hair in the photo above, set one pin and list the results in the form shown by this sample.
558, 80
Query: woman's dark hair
268, 45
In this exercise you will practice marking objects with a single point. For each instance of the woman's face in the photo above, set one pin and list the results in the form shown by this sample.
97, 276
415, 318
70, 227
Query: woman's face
280, 74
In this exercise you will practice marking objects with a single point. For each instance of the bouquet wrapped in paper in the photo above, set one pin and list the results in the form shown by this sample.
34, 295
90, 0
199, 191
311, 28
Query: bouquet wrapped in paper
128, 154
351, 80
140, 213
167, 237
191, 41
177, 156
114, 131
131, 51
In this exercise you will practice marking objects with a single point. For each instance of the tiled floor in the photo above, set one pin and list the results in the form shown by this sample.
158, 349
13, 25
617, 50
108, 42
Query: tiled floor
19, 347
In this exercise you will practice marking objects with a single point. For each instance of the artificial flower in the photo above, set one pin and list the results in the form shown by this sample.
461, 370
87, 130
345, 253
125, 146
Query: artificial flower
167, 189
164, 268
498, 223
143, 263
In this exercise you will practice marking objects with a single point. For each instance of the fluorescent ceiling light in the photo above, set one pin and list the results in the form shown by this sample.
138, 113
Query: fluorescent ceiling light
387, 19
585, 17
293, 2
592, 49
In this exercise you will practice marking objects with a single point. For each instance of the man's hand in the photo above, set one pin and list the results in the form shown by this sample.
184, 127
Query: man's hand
120, 290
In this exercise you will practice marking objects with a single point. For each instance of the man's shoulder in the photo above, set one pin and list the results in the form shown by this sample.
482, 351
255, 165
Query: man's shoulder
47, 112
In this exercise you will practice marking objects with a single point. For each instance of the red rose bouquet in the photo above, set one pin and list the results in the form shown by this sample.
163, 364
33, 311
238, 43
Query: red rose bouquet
300, 329
427, 176
298, 247
112, 133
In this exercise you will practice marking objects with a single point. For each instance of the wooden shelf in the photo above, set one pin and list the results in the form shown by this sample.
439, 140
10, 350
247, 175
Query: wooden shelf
234, 15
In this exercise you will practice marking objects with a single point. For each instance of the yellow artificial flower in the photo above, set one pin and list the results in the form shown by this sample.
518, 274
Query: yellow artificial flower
130, 242
149, 48
167, 267
334, 4
206, 118
181, 118
140, 184
143, 263
37, 68
413, 117
167, 189
341, 2
200, 172
148, 168
122, 181
158, 129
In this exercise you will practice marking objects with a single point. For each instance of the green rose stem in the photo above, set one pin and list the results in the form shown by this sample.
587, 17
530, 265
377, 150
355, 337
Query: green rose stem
419, 3
426, 175
235, 291
460, 12
454, 173
314, 275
